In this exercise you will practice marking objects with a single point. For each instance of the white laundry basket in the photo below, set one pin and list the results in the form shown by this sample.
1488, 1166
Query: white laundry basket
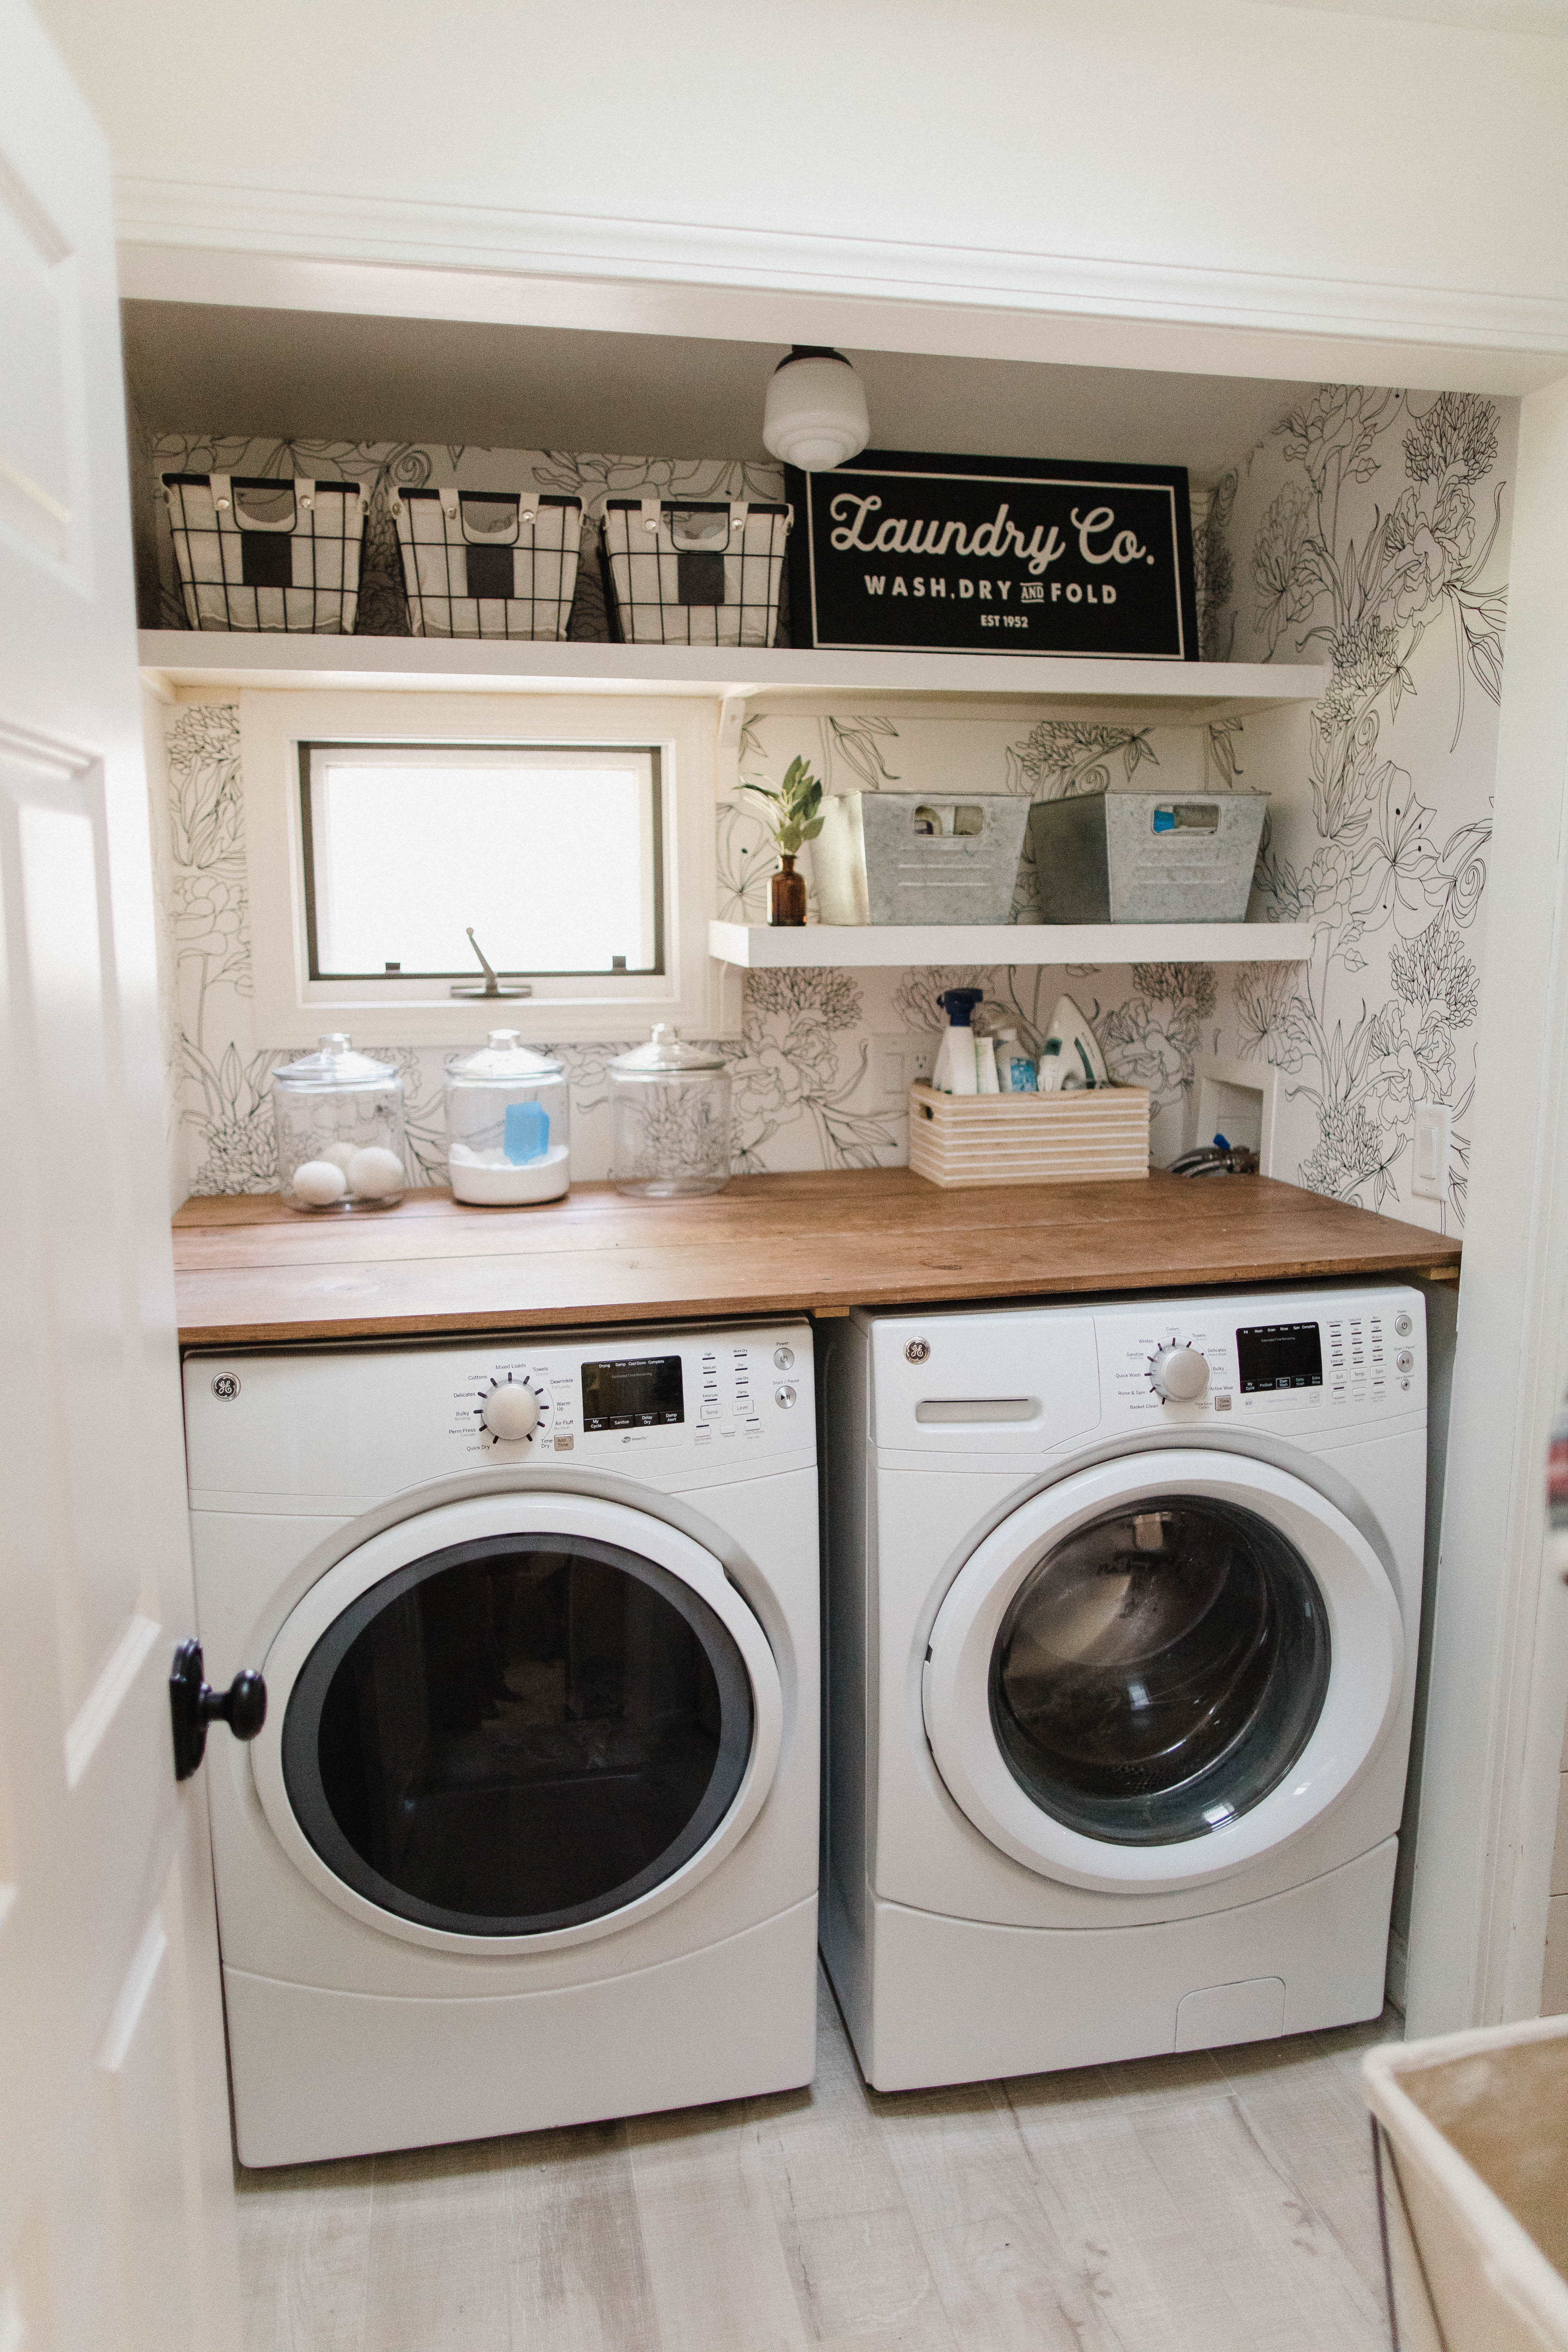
258, 551
1470, 2132
699, 572
488, 564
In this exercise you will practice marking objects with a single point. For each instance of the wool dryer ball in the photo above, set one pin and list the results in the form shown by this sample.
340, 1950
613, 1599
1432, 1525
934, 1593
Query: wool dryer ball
375, 1173
319, 1182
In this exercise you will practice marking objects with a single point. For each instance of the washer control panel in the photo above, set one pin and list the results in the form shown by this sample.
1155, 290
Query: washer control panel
1264, 1357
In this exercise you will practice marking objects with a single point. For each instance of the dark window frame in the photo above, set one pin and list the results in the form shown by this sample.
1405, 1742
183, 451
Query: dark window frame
657, 970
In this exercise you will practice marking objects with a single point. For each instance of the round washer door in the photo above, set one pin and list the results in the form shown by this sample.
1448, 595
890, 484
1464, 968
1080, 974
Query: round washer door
1160, 1669
517, 1723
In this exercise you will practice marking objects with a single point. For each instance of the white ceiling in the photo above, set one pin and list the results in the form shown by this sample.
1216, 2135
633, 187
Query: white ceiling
310, 375
1549, 16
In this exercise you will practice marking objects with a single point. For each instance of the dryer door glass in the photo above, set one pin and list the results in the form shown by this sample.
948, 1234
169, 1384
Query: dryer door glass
517, 1734
1160, 1670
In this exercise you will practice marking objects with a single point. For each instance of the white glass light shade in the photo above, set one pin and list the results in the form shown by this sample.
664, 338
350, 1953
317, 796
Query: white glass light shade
816, 415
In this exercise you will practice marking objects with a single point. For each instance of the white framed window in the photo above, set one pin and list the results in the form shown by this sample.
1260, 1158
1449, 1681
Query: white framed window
550, 854
575, 833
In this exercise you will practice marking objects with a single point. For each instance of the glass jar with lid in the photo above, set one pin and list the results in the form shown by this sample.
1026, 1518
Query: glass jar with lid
671, 1111
340, 1130
509, 1123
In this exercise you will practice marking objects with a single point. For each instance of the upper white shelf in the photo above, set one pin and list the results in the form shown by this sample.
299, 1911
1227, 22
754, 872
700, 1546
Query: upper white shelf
1187, 692
833, 945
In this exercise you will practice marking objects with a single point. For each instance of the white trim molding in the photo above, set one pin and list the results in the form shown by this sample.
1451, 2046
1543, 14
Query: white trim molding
191, 241
1499, 1637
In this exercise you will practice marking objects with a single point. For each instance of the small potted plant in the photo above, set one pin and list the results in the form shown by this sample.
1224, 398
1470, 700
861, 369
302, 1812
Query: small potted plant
793, 816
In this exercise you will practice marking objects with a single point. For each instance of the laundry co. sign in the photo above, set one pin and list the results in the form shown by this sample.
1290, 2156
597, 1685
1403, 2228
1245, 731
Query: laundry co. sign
987, 555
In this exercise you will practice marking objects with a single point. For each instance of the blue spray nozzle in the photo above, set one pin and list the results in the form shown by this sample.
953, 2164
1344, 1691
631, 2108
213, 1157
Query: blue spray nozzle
959, 1004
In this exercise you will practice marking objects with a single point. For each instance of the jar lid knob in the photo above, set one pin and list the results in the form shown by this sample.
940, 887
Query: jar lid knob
503, 1036
333, 1040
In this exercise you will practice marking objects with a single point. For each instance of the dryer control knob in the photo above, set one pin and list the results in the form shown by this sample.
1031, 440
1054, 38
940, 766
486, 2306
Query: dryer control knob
510, 1410
1180, 1374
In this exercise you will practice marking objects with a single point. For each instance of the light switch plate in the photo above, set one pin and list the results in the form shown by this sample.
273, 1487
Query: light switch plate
892, 1066
1434, 1139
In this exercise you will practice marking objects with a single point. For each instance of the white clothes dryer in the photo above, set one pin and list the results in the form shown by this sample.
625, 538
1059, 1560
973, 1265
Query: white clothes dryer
530, 1834
1123, 1608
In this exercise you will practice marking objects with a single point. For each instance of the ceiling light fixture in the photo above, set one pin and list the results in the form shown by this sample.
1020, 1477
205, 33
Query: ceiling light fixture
815, 413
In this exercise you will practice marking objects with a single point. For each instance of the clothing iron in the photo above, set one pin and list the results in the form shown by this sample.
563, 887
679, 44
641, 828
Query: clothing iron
1070, 1055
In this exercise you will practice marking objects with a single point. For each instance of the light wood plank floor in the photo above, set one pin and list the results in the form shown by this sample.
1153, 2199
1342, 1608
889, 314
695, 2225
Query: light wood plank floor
1219, 2202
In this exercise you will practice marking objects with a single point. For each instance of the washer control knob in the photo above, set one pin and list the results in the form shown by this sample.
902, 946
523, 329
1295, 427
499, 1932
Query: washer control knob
783, 1356
1181, 1375
510, 1410
784, 1394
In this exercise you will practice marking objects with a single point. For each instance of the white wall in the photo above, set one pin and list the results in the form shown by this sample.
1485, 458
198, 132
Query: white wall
1399, 171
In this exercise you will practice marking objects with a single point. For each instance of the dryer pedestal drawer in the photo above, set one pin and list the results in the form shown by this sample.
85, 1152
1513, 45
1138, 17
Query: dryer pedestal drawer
311, 2075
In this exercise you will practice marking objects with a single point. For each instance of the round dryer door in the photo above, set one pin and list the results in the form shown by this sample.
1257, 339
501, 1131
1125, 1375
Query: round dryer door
1160, 1669
517, 1721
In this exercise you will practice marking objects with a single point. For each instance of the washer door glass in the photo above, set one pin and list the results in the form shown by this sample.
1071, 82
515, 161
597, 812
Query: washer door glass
517, 1734
1160, 1670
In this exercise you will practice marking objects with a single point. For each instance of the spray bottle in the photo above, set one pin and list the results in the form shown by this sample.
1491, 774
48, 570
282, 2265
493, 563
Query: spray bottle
955, 1068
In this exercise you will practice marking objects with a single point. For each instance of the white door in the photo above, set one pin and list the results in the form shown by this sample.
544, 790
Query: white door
116, 2186
1161, 1668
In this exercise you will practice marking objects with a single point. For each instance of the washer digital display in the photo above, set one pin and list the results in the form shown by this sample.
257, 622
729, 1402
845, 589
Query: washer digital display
633, 1392
1279, 1356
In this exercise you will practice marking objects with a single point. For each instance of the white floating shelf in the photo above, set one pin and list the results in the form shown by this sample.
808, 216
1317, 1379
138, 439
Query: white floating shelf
1179, 692
829, 945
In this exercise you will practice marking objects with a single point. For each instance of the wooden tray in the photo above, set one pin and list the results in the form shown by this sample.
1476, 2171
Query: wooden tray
1099, 1132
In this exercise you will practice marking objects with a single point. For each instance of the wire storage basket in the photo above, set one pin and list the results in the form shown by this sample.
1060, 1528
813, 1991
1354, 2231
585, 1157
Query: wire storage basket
703, 572
488, 564
267, 551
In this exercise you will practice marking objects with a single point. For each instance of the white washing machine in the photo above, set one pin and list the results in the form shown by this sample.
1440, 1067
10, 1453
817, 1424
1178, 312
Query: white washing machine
1122, 1604
530, 1834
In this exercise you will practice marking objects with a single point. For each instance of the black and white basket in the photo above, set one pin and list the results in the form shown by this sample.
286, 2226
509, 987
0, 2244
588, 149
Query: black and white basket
702, 572
258, 551
488, 564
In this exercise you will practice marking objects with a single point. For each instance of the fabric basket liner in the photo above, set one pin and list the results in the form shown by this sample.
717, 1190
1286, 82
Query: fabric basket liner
699, 572
267, 551
488, 564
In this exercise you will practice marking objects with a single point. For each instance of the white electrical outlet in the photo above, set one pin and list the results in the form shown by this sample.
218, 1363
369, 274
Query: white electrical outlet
1434, 1139
892, 1066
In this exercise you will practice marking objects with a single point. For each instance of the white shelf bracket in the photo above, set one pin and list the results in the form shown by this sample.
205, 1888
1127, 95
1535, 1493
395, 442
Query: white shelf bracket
732, 719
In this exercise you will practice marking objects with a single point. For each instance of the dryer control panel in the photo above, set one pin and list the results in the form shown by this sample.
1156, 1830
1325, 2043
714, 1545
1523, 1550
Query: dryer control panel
373, 1421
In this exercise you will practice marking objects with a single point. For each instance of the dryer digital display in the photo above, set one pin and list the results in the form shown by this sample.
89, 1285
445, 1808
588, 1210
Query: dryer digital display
1279, 1356
633, 1392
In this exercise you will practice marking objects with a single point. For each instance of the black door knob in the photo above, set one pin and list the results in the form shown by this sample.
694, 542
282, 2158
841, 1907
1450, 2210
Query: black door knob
194, 1704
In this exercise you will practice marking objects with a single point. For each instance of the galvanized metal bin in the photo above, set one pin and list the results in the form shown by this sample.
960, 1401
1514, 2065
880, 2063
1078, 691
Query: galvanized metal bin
910, 857
1146, 857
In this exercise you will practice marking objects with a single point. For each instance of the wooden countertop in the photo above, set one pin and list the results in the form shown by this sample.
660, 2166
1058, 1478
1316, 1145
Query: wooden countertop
249, 1271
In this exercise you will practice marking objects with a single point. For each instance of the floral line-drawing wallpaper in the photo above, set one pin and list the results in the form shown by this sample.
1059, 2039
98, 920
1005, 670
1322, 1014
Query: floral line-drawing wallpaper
1368, 532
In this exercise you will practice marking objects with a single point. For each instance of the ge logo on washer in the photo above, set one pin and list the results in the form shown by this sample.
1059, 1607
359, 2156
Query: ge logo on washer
226, 1386
918, 1350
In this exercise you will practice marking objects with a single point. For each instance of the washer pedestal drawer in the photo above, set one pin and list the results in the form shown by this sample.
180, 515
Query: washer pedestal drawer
932, 2000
